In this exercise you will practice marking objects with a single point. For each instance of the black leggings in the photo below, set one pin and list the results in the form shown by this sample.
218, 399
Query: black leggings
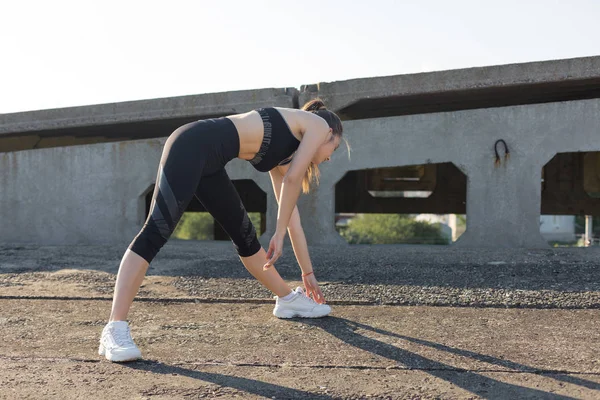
193, 164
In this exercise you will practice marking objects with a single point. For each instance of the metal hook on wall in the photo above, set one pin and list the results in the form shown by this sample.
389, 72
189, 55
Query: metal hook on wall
506, 152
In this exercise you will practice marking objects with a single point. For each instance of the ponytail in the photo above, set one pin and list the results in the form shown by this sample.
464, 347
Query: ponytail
314, 105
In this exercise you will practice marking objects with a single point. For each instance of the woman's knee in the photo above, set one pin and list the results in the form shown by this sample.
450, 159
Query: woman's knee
248, 246
148, 242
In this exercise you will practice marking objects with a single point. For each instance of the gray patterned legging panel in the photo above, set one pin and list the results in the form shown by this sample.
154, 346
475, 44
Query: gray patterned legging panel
193, 164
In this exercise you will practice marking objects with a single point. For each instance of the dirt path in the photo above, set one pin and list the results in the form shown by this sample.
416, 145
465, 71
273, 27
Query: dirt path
407, 322
240, 350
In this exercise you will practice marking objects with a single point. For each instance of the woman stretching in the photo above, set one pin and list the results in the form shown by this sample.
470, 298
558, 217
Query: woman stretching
289, 144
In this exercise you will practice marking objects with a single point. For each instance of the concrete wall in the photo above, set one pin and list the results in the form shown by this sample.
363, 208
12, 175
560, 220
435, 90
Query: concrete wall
76, 195
94, 193
503, 204
90, 194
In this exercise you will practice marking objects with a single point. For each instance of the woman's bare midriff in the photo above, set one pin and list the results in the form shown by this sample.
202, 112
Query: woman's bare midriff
250, 130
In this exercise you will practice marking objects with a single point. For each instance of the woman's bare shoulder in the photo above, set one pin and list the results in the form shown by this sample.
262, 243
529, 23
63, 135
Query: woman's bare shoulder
297, 119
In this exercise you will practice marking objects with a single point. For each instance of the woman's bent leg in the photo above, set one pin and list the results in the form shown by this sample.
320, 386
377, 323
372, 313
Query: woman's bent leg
220, 198
269, 278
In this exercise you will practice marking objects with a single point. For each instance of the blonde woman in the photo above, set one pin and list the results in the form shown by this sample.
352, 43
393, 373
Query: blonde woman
287, 143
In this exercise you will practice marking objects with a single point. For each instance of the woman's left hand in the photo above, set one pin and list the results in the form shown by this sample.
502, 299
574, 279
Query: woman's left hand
275, 250
312, 288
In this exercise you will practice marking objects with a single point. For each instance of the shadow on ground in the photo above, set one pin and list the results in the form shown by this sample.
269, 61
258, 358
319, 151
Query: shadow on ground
349, 332
251, 386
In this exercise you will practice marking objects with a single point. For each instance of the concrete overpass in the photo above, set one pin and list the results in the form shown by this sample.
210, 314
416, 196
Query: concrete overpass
83, 175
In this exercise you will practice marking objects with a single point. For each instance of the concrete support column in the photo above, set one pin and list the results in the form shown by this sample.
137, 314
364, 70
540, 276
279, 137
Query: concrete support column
588, 239
453, 223
317, 212
503, 206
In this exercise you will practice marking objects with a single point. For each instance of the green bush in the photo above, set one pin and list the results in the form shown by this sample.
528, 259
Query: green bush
199, 226
195, 225
391, 228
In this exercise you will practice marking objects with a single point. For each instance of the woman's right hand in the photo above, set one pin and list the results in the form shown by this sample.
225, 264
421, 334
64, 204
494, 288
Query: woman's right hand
275, 250
312, 288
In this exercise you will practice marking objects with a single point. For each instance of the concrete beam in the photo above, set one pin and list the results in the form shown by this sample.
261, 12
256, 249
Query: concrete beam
512, 84
460, 89
197, 106
143, 119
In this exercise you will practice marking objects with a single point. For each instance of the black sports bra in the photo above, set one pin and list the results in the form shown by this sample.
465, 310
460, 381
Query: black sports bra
278, 145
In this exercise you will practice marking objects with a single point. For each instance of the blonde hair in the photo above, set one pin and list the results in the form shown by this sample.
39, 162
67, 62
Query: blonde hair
317, 107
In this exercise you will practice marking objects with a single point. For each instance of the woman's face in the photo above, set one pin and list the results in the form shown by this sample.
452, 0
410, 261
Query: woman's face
326, 150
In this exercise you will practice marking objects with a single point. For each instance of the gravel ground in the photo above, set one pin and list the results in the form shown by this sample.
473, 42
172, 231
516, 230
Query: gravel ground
361, 274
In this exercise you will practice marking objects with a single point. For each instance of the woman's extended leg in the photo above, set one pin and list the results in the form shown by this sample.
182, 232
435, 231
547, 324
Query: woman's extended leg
129, 279
220, 198
178, 174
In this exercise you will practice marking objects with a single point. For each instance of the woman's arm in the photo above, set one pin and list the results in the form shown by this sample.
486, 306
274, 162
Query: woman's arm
298, 241
295, 230
315, 134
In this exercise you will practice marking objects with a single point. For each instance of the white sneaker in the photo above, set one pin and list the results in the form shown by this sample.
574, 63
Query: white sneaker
300, 306
116, 343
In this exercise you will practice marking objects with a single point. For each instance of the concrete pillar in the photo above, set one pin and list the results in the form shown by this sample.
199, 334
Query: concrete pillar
503, 206
317, 212
452, 223
588, 239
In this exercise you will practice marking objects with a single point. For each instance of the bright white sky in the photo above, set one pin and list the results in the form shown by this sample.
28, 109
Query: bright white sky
62, 53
